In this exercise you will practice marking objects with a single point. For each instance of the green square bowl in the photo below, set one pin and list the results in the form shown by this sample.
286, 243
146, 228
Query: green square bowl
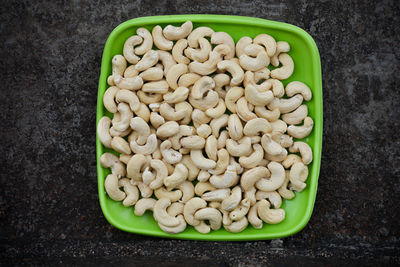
307, 69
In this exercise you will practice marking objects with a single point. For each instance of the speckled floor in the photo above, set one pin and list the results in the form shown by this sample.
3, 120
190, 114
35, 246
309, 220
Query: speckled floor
49, 210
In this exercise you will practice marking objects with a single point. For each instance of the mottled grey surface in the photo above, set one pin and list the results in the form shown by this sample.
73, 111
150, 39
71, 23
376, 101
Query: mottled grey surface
49, 211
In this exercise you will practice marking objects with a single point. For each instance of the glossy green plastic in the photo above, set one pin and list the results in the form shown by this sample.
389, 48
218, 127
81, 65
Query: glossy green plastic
307, 69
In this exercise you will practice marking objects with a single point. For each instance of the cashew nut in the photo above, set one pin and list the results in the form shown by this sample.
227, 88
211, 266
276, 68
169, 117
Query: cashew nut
201, 54
190, 209
200, 161
243, 110
173, 196
142, 128
108, 160
177, 177
201, 86
271, 216
283, 190
257, 98
253, 218
180, 94
148, 60
275, 180
156, 120
240, 148
273, 197
267, 41
197, 34
232, 96
108, 99
302, 131
305, 151
131, 191
174, 33
254, 158
204, 130
112, 188
226, 180
241, 44
224, 38
299, 88
148, 148
126, 115
166, 59
270, 115
237, 226
129, 52
147, 41
239, 212
233, 200
254, 64
210, 214
144, 204
281, 46
287, 68
222, 162
103, 131
298, 174
252, 176
159, 40
120, 145
234, 69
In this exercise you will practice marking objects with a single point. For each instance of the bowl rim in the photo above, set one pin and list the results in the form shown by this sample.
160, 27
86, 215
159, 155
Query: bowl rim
227, 19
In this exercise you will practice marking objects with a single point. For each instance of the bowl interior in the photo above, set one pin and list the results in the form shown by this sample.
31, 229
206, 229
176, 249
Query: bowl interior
307, 69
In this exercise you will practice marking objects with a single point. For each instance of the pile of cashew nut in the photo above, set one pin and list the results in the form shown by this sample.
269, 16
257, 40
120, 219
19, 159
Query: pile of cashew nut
204, 129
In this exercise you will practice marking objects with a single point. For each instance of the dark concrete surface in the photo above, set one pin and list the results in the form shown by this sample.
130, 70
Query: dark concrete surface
50, 63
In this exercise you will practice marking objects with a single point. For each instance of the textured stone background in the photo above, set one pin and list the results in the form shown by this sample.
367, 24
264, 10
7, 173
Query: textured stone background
49, 212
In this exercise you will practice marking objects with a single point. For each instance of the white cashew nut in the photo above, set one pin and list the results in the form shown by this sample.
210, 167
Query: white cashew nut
305, 151
275, 180
174, 33
112, 188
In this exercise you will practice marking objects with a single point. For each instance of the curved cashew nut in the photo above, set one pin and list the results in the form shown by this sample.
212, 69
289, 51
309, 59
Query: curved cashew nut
217, 123
148, 148
144, 204
103, 131
112, 188
232, 96
177, 52
199, 117
267, 41
133, 83
108, 160
233, 200
143, 112
217, 111
166, 59
217, 195
174, 33
222, 162
120, 145
200, 161
192, 168
159, 40
171, 156
302, 131
253, 218
281, 46
187, 189
256, 97
161, 215
180, 94
202, 187
156, 120
284, 191
201, 86
290, 160
204, 130
177, 177
270, 146
235, 127
142, 128
171, 113
305, 151
190, 209
136, 163
249, 79
209, 101
131, 191
254, 126
276, 179
128, 50
240, 148
287, 68
173, 196
277, 87
239, 212
252, 176
224, 38
282, 139
254, 63
108, 99
126, 115
254, 158
174, 73
148, 60
128, 97
273, 197
296, 116
271, 216
186, 109
147, 43
211, 147
188, 79
243, 110
241, 44
150, 99
234, 69
221, 80
197, 34
168, 129
263, 112
212, 215
161, 173
277, 158
237, 226
299, 88
175, 229
298, 175
118, 66
145, 190
201, 54
226, 180
207, 67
